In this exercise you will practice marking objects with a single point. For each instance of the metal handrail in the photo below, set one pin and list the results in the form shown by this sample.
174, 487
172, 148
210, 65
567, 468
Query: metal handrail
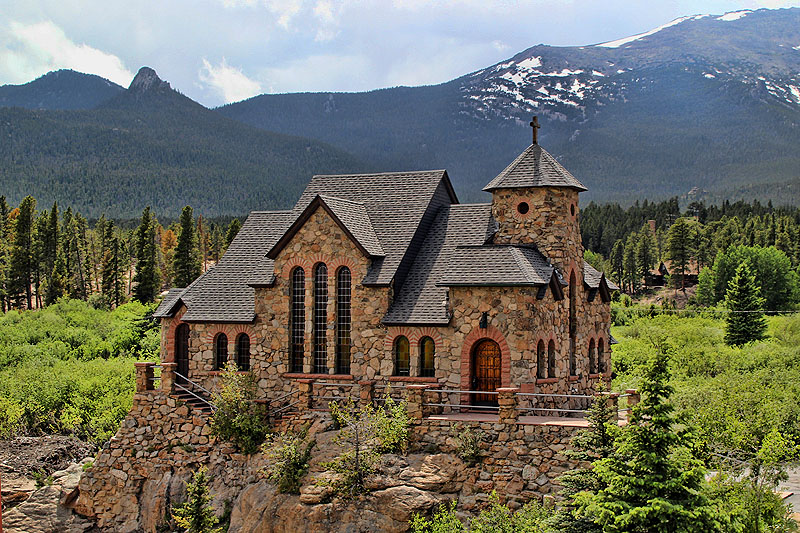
552, 409
204, 400
462, 391
330, 384
545, 395
211, 405
461, 405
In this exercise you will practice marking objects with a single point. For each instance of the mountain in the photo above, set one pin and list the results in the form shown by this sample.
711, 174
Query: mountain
150, 145
61, 89
704, 106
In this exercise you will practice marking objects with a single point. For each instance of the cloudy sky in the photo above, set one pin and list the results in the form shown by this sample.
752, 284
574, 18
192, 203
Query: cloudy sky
219, 51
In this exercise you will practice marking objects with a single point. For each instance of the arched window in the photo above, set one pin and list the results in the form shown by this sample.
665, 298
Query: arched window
220, 351
320, 319
601, 356
182, 352
573, 324
427, 355
297, 325
243, 352
541, 361
343, 321
402, 357
551, 359
592, 358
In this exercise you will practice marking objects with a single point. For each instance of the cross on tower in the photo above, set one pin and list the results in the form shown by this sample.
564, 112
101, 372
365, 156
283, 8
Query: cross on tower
535, 125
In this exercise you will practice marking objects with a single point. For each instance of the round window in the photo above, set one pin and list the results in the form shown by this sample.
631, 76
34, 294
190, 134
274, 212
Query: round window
523, 208
572, 210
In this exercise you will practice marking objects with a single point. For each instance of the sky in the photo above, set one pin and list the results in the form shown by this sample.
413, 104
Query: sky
221, 51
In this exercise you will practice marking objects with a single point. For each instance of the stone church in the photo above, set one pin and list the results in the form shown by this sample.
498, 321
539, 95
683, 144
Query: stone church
388, 278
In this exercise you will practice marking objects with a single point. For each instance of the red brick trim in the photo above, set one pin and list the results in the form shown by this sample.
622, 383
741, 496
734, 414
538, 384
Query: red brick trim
169, 335
574, 378
412, 379
546, 381
475, 336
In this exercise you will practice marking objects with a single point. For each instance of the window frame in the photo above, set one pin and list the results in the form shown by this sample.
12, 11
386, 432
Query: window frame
242, 364
218, 363
427, 371
297, 319
398, 371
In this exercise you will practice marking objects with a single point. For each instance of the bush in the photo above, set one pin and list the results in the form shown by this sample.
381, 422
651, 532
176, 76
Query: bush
196, 515
468, 443
392, 426
497, 518
288, 454
238, 418
358, 439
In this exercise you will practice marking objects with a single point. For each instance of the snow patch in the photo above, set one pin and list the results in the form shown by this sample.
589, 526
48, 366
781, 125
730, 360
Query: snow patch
795, 92
543, 90
620, 71
796, 47
596, 73
707, 75
626, 40
530, 63
734, 15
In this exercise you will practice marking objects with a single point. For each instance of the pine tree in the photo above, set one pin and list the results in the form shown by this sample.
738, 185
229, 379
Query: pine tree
147, 278
745, 322
233, 230
680, 240
58, 285
651, 482
5, 253
196, 515
217, 243
645, 253
631, 265
113, 291
21, 267
587, 446
617, 259
186, 262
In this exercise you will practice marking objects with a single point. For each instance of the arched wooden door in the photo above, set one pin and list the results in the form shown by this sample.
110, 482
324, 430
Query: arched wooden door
182, 352
485, 371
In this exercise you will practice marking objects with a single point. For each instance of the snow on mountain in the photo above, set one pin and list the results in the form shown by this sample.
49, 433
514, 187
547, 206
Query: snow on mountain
566, 81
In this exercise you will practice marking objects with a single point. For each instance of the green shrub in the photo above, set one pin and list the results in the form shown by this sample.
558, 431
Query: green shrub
288, 454
196, 515
497, 518
443, 521
392, 426
468, 443
238, 418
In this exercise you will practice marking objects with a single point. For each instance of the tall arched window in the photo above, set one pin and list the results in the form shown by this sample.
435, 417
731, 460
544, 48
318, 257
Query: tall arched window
541, 361
343, 284
551, 359
601, 356
220, 351
320, 319
402, 356
297, 324
243, 352
573, 324
182, 352
427, 356
592, 358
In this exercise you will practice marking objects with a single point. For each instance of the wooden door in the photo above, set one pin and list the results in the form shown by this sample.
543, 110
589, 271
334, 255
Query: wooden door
486, 372
182, 352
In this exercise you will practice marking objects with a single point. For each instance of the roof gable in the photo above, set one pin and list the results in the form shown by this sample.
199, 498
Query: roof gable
534, 167
396, 203
351, 217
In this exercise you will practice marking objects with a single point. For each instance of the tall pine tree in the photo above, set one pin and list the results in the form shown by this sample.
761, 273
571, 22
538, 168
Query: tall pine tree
745, 322
680, 247
21, 267
113, 288
186, 261
147, 277
652, 482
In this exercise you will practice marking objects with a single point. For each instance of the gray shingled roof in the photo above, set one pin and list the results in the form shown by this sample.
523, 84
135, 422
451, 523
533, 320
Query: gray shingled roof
223, 294
395, 202
592, 277
497, 265
419, 300
351, 216
534, 167
164, 309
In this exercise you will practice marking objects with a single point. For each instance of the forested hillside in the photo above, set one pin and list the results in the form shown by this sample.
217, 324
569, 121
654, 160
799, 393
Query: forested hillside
150, 145
60, 89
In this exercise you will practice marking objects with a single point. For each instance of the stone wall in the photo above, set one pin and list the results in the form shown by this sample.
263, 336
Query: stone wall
142, 471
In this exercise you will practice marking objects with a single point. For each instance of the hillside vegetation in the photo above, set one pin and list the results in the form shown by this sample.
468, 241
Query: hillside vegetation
68, 368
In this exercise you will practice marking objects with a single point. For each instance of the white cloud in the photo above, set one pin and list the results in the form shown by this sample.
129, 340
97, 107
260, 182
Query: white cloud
327, 16
229, 82
30, 50
286, 10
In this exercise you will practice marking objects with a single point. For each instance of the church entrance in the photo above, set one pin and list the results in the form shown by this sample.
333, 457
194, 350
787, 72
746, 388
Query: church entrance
182, 352
485, 372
